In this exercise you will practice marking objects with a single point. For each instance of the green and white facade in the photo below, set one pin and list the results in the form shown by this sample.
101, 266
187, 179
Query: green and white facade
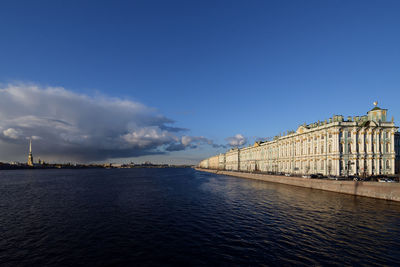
359, 145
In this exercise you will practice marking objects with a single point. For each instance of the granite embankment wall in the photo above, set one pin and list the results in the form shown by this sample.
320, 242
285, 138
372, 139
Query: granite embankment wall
388, 191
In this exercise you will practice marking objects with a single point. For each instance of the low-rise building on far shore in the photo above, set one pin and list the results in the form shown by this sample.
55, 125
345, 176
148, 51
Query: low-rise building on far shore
360, 145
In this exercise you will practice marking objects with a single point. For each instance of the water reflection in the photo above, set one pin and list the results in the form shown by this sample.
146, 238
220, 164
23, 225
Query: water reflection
185, 217
329, 227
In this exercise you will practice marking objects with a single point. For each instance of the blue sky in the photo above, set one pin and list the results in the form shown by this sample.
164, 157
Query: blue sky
216, 68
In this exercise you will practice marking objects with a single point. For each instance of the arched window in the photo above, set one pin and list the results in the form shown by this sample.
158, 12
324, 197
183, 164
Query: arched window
387, 148
387, 164
330, 148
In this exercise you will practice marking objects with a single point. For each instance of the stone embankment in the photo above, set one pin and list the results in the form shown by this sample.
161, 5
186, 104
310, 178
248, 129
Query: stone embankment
387, 191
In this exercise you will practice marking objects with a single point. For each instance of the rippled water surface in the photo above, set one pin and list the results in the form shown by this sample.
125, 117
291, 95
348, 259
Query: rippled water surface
185, 217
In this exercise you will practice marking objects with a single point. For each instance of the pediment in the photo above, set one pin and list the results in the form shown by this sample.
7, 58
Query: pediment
301, 129
370, 124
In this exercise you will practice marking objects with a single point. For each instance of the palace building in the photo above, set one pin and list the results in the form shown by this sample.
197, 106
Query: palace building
360, 145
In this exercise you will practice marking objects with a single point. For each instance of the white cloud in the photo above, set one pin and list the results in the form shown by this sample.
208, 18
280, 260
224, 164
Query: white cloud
71, 126
191, 140
149, 136
12, 133
237, 140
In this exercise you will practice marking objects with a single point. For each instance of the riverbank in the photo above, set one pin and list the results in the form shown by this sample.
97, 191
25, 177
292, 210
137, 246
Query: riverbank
387, 191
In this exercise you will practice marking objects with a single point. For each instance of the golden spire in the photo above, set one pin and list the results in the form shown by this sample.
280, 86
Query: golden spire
30, 157
375, 103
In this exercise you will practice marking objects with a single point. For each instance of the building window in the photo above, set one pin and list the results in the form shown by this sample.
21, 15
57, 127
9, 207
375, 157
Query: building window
387, 148
322, 150
387, 165
330, 148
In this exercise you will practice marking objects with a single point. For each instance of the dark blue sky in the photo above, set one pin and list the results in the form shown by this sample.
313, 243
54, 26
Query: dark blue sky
218, 68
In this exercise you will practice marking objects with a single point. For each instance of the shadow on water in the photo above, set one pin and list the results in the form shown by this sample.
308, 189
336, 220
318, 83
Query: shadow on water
356, 184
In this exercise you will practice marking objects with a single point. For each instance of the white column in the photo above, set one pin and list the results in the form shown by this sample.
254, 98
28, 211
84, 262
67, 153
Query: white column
392, 144
361, 139
337, 167
369, 138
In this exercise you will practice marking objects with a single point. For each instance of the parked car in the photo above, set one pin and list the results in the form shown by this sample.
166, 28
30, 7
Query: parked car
313, 176
288, 174
385, 180
337, 178
306, 176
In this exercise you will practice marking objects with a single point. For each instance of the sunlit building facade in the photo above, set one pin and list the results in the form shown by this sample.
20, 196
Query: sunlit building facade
359, 145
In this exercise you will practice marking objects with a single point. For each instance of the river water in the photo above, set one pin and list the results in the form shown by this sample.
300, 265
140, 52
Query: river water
170, 217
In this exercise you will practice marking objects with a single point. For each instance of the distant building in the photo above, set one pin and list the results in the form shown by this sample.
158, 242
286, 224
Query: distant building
360, 145
30, 156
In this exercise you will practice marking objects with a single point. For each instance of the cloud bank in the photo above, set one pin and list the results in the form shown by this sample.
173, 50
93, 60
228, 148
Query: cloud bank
69, 126
237, 140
